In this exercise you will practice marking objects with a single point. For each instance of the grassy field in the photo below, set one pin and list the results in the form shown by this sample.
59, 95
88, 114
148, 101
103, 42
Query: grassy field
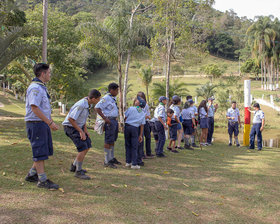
216, 185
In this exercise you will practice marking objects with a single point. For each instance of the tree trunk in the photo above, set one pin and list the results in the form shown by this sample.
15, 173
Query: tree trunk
128, 58
277, 74
261, 74
147, 92
125, 85
264, 75
45, 30
121, 112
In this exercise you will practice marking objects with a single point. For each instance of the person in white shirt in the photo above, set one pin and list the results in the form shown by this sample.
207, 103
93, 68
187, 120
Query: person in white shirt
233, 117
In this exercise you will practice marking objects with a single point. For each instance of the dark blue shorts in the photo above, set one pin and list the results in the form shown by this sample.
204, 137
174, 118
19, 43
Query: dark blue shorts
39, 135
74, 135
203, 122
111, 132
173, 132
188, 127
179, 126
233, 128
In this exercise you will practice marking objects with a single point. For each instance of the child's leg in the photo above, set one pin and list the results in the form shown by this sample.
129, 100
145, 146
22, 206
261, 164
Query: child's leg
173, 146
180, 135
127, 145
80, 158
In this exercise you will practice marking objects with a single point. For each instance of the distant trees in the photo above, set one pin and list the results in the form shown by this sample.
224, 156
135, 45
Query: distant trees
146, 75
213, 71
264, 40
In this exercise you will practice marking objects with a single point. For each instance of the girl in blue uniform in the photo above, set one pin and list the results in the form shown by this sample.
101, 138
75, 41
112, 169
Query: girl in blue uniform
134, 118
203, 117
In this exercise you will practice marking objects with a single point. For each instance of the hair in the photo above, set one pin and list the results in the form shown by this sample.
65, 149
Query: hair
170, 111
233, 101
202, 105
176, 100
187, 105
189, 97
142, 95
39, 68
94, 94
257, 105
135, 99
113, 86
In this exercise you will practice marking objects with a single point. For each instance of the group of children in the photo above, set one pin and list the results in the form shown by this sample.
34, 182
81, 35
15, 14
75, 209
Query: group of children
138, 124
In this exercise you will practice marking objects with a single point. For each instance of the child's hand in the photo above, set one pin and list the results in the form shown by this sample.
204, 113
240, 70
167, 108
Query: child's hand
86, 132
140, 139
54, 127
83, 135
165, 127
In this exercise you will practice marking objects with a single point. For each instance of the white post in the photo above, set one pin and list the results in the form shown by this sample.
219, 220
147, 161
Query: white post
251, 99
271, 99
63, 109
195, 100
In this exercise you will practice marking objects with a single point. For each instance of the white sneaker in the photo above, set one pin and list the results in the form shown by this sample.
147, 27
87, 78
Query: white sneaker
135, 167
128, 164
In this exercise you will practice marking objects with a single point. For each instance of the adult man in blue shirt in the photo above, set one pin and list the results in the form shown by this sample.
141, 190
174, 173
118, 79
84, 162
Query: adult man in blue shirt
107, 108
39, 125
258, 126
211, 112
233, 117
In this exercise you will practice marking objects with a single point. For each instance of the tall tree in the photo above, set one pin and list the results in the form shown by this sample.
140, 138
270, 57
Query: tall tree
147, 78
45, 31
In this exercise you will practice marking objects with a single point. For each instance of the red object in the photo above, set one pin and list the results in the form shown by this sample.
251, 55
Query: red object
247, 116
169, 121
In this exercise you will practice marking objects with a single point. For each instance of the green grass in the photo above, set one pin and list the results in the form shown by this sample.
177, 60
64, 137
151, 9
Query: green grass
216, 185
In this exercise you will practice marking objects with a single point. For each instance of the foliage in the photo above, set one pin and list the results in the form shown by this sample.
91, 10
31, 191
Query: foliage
146, 75
250, 66
175, 88
207, 90
212, 70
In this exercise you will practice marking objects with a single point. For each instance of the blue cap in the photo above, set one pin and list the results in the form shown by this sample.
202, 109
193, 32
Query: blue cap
190, 101
142, 102
175, 97
211, 98
162, 98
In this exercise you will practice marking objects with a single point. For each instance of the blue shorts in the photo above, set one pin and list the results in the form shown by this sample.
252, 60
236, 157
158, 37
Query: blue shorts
111, 132
74, 135
153, 129
173, 132
204, 122
39, 135
179, 126
233, 128
188, 127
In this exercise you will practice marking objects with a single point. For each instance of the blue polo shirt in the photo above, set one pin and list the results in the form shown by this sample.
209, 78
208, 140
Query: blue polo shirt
146, 110
202, 113
211, 111
233, 113
37, 95
177, 111
188, 113
108, 106
258, 117
78, 112
160, 112
135, 116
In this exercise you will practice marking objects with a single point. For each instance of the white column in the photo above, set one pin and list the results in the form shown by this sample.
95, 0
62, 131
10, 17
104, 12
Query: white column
247, 93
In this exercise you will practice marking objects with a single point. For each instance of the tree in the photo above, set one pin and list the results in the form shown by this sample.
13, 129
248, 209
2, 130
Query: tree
250, 66
176, 88
147, 77
45, 31
212, 70
206, 91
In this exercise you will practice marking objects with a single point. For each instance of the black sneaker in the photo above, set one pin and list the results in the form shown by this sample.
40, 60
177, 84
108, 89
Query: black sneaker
188, 147
174, 151
110, 165
194, 145
80, 174
115, 161
229, 144
141, 164
48, 184
168, 148
161, 155
179, 147
32, 179
73, 168
237, 145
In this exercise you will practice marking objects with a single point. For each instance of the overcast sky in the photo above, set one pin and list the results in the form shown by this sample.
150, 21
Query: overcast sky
250, 8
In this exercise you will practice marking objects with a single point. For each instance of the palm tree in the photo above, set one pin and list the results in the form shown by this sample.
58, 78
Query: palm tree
206, 91
176, 88
146, 75
261, 35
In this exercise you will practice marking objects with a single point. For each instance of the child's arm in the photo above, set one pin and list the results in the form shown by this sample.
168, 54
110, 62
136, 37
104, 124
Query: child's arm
161, 121
177, 120
86, 131
74, 124
99, 111
140, 139
194, 124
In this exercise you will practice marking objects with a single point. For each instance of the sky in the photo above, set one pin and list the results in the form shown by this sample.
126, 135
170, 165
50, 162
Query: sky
250, 8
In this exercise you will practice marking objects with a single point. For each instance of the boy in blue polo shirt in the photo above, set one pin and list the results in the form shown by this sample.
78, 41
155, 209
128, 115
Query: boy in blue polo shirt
75, 128
258, 126
39, 125
107, 108
160, 119
135, 117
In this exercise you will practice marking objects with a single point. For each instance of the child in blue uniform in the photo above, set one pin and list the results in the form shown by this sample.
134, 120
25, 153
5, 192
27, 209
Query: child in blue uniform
160, 119
134, 118
39, 125
195, 113
233, 117
203, 118
189, 125
258, 126
175, 106
75, 128
107, 108
173, 127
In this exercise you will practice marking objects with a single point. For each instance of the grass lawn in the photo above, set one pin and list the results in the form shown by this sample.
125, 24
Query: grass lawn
216, 185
